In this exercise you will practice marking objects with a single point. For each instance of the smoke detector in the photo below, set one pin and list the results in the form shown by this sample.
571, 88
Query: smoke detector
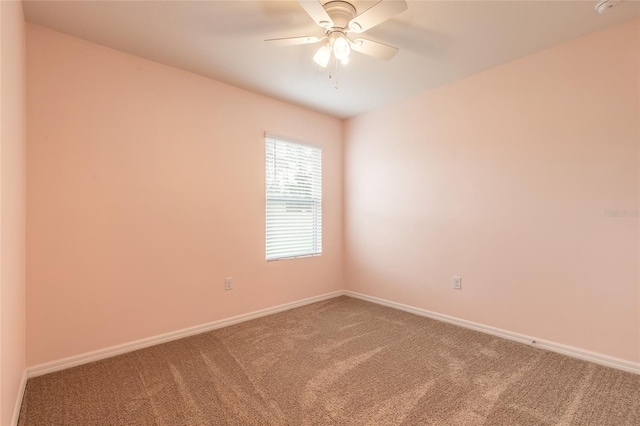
603, 6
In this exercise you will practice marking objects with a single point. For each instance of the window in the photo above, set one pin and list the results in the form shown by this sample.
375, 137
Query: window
294, 199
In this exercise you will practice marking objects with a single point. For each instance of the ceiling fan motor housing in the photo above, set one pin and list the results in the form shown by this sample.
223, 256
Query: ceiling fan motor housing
341, 13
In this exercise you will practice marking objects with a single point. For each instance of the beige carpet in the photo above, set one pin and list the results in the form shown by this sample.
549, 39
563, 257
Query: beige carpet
338, 362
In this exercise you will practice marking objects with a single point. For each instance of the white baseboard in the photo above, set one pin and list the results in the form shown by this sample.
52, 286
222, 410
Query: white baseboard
88, 357
609, 361
16, 410
73, 361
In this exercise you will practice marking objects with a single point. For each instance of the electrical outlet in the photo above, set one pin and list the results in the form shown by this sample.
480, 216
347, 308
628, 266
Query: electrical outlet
457, 283
228, 283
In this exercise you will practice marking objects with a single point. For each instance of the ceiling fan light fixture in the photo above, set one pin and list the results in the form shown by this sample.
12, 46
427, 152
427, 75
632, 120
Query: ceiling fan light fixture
341, 48
322, 56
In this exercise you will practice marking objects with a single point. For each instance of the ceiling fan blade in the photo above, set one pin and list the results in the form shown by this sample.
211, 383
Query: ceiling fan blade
292, 41
373, 48
376, 14
316, 11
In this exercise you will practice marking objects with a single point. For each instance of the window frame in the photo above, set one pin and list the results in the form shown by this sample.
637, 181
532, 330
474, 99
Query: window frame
317, 216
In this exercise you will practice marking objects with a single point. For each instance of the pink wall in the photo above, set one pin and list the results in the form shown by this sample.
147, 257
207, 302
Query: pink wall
144, 181
12, 206
503, 178
146, 189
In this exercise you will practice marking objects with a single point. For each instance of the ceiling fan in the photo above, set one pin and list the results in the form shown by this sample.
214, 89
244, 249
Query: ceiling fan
339, 21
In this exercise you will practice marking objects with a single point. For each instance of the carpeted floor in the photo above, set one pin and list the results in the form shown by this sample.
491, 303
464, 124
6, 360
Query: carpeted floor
338, 362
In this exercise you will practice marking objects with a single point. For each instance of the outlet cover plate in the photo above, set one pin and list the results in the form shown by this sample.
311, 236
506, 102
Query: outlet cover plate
457, 283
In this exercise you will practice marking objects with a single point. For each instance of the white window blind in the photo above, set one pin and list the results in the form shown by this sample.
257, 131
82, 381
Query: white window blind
294, 199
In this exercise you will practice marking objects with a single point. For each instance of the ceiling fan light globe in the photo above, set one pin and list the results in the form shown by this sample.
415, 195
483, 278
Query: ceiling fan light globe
322, 56
341, 48
345, 61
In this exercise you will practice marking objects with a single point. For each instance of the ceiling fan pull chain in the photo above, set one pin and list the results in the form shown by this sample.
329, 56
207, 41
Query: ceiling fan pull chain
336, 86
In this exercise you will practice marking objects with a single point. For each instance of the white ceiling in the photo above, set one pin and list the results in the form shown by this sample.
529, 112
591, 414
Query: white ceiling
439, 41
